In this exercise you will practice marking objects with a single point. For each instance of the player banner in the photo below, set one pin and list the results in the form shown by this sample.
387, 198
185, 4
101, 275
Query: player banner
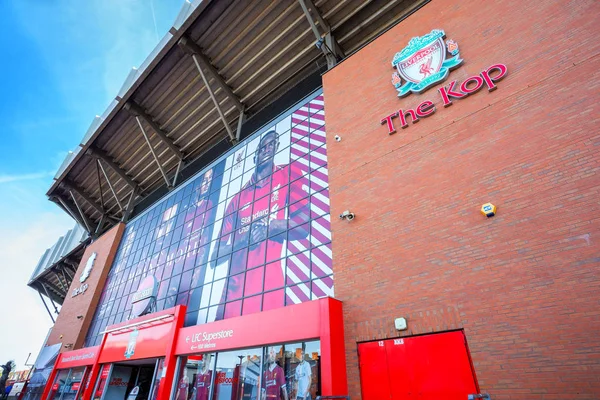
249, 233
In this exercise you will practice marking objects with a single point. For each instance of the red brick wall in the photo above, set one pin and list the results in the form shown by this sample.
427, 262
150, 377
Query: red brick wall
525, 284
69, 329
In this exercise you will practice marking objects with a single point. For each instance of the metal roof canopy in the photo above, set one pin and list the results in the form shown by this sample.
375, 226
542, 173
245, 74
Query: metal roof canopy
228, 61
57, 267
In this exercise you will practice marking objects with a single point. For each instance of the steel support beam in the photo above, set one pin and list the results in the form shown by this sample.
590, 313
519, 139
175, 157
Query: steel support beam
112, 217
201, 59
325, 42
309, 17
49, 297
333, 45
62, 285
99, 154
55, 288
65, 285
304, 3
100, 224
73, 266
67, 281
46, 305
179, 165
214, 99
241, 120
72, 187
100, 186
67, 271
160, 167
112, 189
61, 203
87, 225
129, 207
138, 111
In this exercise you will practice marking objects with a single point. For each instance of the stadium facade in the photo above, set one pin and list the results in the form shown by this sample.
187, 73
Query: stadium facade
380, 199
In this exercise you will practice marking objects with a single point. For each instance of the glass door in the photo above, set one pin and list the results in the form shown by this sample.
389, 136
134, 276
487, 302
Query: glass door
158, 375
102, 382
85, 383
59, 384
73, 383
238, 375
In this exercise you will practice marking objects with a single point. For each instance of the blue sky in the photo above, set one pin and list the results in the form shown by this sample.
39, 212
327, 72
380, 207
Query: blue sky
63, 61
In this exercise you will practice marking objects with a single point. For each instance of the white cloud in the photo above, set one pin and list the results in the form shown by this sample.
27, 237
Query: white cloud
87, 48
24, 177
30, 224
25, 322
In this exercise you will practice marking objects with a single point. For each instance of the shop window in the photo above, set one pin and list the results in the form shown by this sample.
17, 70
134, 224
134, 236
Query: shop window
290, 370
301, 366
73, 383
59, 384
195, 377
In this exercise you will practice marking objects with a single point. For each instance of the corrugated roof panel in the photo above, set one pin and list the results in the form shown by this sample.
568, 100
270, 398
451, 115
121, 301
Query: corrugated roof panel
260, 49
184, 13
68, 158
63, 246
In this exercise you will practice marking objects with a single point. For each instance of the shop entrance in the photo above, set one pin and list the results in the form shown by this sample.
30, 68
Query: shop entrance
424, 367
129, 380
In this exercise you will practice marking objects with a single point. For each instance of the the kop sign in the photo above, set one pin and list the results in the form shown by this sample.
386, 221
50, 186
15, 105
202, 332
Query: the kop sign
426, 61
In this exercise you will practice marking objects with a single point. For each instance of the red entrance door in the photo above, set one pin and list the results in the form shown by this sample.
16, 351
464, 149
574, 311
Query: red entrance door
420, 368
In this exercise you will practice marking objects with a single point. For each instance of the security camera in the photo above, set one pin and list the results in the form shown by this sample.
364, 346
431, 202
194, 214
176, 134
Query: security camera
337, 138
347, 215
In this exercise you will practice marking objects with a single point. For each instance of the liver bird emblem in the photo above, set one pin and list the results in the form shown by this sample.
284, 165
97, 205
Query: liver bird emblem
426, 69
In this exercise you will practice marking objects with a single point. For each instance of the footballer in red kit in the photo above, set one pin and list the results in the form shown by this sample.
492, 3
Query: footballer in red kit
203, 211
256, 223
201, 214
275, 387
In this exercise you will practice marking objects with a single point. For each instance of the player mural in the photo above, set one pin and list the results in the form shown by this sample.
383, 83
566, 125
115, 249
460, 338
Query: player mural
248, 234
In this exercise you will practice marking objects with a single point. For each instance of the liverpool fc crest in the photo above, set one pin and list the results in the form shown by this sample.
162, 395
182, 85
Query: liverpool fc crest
424, 62
130, 351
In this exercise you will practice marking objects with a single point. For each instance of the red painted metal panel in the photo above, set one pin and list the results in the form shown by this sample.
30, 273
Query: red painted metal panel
374, 371
153, 337
428, 367
441, 365
286, 324
334, 381
150, 343
402, 374
170, 360
89, 387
